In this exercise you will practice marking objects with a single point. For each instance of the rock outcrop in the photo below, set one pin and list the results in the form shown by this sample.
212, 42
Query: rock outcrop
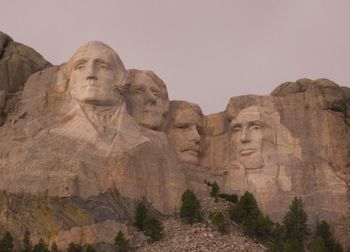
17, 63
86, 140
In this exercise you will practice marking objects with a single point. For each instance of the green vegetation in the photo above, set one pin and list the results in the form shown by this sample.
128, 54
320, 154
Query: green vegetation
190, 208
41, 246
140, 216
121, 243
54, 247
73, 247
218, 220
215, 189
291, 235
324, 240
27, 244
215, 193
6, 243
247, 213
153, 228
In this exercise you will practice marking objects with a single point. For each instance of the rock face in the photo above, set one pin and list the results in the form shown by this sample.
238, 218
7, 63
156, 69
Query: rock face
89, 139
17, 63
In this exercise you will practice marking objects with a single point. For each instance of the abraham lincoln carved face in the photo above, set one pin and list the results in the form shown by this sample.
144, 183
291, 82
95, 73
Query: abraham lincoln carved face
247, 137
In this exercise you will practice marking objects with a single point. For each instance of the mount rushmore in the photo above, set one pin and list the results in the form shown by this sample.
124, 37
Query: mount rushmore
81, 143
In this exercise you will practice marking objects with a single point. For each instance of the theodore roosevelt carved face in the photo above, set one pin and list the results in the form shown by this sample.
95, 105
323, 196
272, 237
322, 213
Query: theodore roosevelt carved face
184, 130
147, 98
96, 72
247, 137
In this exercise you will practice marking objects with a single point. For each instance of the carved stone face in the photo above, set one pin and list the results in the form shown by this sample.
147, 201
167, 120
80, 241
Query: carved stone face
145, 102
183, 134
247, 137
95, 73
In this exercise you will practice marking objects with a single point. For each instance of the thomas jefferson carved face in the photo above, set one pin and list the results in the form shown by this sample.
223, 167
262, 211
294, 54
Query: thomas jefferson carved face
184, 134
96, 72
147, 100
247, 137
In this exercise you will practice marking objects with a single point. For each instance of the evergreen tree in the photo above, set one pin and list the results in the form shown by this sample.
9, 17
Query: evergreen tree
190, 208
73, 247
323, 231
54, 247
89, 248
218, 220
122, 244
295, 221
247, 213
40, 246
278, 235
293, 245
318, 245
6, 243
27, 244
140, 216
153, 228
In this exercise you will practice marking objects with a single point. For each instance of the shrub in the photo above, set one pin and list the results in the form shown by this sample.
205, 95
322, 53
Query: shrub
153, 228
73, 247
233, 198
54, 247
140, 216
190, 208
121, 243
318, 245
89, 248
218, 220
40, 246
6, 243
27, 245
215, 189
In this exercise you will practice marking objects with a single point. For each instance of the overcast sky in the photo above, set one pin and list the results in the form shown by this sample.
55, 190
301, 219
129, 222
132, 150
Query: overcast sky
205, 51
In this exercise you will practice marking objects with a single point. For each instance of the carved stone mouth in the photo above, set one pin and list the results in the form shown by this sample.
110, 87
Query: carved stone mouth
247, 151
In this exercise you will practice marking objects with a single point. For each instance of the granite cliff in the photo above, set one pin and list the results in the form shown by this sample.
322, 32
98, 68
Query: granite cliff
81, 143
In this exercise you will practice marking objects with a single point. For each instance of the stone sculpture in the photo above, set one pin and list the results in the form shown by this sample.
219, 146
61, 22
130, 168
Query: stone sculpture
86, 140
147, 98
183, 129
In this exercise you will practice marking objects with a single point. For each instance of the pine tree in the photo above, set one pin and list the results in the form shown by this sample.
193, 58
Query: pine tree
153, 228
6, 243
247, 213
73, 247
27, 244
318, 245
54, 247
89, 248
190, 208
323, 231
121, 243
295, 221
40, 246
140, 216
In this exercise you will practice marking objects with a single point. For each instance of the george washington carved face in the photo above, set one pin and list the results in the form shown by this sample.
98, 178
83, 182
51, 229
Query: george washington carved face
247, 136
95, 74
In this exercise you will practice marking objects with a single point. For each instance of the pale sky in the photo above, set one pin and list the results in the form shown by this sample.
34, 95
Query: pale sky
205, 51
